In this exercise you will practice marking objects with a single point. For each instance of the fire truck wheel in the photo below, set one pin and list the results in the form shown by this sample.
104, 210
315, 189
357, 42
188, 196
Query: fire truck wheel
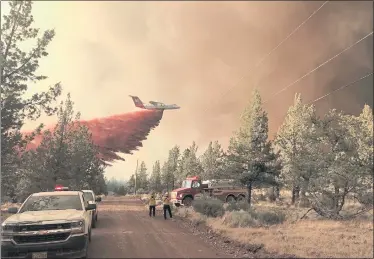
230, 199
241, 198
187, 201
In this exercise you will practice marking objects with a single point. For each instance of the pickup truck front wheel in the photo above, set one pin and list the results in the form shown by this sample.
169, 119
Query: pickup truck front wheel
93, 222
86, 248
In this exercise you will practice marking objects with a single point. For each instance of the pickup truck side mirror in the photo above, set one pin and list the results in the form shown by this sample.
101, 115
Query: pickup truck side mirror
98, 199
91, 206
12, 210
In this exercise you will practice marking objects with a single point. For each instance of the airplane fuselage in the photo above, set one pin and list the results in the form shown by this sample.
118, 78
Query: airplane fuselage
153, 105
165, 107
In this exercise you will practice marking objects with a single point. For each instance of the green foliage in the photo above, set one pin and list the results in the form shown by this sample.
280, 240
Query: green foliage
121, 190
237, 206
212, 161
252, 218
240, 219
339, 169
113, 183
169, 171
366, 198
18, 70
295, 141
250, 155
209, 207
155, 179
189, 164
142, 177
65, 155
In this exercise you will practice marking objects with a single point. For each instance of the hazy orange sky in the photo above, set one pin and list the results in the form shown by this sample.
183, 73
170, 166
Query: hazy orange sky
190, 53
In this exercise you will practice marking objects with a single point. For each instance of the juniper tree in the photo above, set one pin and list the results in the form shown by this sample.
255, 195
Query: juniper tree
212, 161
293, 140
253, 163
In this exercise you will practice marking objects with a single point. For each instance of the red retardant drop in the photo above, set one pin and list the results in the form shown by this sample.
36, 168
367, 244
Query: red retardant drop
121, 133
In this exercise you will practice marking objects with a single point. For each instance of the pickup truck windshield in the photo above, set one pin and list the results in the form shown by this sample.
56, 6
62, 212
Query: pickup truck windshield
55, 202
88, 196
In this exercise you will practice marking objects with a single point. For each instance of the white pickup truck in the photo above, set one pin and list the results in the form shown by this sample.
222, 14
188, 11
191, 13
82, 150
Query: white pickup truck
48, 225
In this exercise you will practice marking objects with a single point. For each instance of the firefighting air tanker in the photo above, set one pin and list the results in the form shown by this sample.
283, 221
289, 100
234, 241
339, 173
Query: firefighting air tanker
153, 105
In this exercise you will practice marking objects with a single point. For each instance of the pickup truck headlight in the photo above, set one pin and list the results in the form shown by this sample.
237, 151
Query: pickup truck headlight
7, 229
77, 227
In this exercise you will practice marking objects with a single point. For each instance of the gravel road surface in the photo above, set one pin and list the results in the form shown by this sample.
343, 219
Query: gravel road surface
125, 230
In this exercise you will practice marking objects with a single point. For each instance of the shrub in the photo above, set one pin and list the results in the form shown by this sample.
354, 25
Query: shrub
304, 202
271, 218
140, 191
252, 218
237, 206
366, 199
271, 195
209, 207
260, 197
240, 219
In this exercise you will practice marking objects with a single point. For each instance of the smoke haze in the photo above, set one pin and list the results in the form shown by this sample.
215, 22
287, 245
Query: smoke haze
190, 53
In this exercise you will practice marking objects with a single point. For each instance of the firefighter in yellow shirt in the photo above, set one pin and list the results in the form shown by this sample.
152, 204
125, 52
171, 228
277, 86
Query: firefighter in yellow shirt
166, 202
152, 206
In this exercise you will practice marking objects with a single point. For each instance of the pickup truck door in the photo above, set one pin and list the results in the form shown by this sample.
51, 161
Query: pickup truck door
87, 214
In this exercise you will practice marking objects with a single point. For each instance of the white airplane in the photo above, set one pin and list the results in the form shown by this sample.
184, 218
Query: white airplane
153, 105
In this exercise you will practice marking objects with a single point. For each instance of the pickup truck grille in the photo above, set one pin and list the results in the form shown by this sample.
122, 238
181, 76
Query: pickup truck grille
23, 228
41, 238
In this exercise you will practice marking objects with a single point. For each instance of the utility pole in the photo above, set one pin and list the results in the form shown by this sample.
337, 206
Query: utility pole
136, 172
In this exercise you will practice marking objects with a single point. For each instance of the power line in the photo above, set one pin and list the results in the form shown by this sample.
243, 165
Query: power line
340, 88
319, 66
269, 53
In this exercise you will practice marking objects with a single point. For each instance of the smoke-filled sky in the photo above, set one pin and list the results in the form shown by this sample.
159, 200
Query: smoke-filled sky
190, 53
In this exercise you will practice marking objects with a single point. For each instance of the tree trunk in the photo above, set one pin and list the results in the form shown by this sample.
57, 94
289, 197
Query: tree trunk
277, 192
336, 200
249, 197
295, 194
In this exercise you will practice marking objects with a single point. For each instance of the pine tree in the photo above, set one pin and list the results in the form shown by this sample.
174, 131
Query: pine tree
131, 183
67, 155
172, 163
294, 139
18, 69
166, 176
189, 164
338, 170
252, 160
155, 179
212, 161
142, 177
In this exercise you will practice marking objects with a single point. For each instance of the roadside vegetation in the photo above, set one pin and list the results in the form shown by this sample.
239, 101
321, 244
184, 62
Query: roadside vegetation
309, 189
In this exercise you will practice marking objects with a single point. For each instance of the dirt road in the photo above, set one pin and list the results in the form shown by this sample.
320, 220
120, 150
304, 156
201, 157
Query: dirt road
125, 230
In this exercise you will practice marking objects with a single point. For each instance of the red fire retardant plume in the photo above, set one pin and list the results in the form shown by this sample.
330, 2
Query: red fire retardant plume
122, 133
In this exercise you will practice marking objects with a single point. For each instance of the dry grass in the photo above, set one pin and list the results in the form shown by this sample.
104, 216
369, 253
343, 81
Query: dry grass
308, 238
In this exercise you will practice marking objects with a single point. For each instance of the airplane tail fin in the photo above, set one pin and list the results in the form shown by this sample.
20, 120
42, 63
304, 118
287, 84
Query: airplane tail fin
138, 103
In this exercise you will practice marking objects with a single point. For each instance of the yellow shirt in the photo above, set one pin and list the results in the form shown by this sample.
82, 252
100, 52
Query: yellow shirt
166, 201
152, 202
